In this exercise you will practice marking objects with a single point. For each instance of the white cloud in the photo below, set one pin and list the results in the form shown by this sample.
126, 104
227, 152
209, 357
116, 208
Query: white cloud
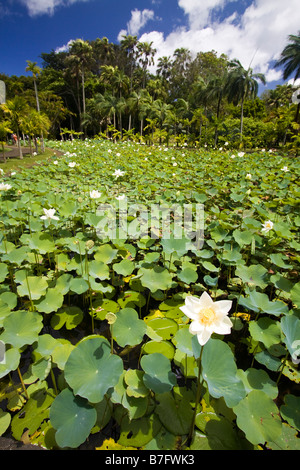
257, 36
65, 47
41, 7
137, 22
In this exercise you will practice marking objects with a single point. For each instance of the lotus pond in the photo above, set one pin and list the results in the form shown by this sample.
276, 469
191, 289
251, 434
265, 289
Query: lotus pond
93, 340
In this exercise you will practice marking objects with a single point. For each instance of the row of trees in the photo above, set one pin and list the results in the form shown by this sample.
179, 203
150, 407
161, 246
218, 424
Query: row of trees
101, 88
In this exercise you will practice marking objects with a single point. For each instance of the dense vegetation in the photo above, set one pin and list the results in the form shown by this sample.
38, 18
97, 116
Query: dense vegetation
96, 341
100, 272
102, 88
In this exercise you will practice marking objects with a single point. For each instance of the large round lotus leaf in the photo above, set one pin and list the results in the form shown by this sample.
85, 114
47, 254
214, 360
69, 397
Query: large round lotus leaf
183, 341
138, 432
17, 256
68, 316
3, 271
175, 413
259, 302
128, 328
187, 275
41, 242
178, 245
158, 375
21, 328
156, 278
105, 253
265, 330
258, 379
164, 347
10, 362
135, 385
164, 327
91, 369
33, 287
290, 411
257, 415
125, 267
295, 295
98, 270
73, 419
290, 325
78, 285
220, 372
5, 420
52, 301
253, 275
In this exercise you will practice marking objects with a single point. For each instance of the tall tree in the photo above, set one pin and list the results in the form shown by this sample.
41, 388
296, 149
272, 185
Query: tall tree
16, 110
35, 70
290, 60
242, 84
81, 54
146, 57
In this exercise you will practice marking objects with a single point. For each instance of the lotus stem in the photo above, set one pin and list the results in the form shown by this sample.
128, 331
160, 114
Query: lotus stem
198, 395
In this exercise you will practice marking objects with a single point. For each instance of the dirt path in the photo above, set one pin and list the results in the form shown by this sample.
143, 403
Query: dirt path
13, 152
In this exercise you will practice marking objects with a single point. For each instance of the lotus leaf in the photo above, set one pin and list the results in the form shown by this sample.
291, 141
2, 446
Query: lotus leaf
258, 416
265, 330
128, 329
5, 419
33, 287
91, 370
290, 411
290, 325
175, 413
158, 375
70, 317
157, 278
254, 275
21, 328
11, 362
73, 418
220, 372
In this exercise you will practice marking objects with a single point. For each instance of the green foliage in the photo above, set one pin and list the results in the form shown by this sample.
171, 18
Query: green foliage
92, 327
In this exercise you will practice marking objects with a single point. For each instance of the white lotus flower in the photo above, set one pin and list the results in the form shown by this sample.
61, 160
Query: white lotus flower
49, 214
121, 197
285, 168
267, 226
72, 164
55, 162
207, 316
94, 194
5, 186
248, 176
118, 173
241, 154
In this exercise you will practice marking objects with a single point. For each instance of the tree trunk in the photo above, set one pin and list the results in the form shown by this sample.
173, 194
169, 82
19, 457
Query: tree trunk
19, 145
242, 119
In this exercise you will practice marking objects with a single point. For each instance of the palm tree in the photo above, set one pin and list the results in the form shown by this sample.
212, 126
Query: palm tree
242, 84
146, 57
4, 130
290, 60
139, 102
81, 55
35, 123
35, 70
215, 90
16, 110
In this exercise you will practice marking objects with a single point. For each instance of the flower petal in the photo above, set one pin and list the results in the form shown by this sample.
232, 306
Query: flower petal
222, 306
205, 300
203, 336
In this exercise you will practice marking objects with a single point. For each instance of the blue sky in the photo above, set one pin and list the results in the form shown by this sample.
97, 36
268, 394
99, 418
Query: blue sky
253, 31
